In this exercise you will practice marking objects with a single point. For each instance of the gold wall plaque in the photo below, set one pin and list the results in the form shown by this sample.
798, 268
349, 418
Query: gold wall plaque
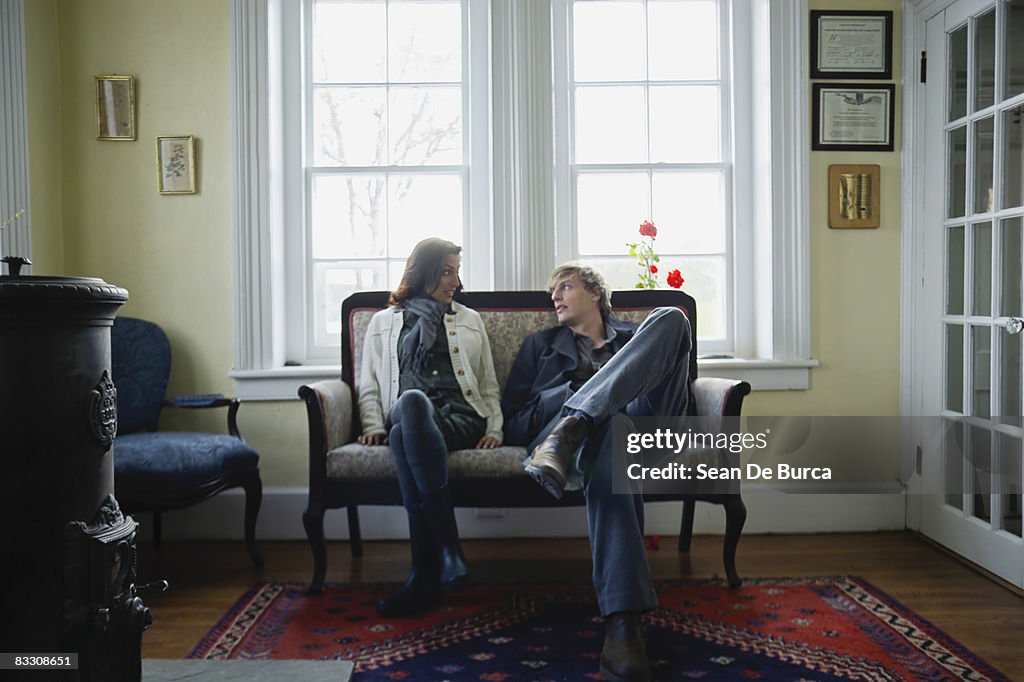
854, 196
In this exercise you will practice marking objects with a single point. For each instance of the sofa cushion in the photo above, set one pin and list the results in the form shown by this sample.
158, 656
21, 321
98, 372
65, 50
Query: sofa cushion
170, 461
375, 461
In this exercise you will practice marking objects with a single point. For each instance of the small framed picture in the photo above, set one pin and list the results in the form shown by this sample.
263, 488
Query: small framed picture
176, 162
851, 44
115, 108
853, 117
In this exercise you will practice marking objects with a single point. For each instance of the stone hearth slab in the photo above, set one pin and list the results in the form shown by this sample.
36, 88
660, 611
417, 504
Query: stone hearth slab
167, 670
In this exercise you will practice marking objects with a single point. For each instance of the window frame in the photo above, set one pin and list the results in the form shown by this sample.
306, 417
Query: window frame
512, 241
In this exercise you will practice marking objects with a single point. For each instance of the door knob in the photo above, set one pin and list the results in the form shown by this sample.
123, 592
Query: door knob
1014, 325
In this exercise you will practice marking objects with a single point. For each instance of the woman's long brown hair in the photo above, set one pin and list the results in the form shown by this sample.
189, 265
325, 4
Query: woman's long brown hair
423, 269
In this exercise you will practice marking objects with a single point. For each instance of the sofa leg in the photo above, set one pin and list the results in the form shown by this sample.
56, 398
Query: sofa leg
686, 525
735, 517
355, 535
253, 499
313, 520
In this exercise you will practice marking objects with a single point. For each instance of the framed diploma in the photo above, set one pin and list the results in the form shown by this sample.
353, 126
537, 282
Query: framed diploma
851, 44
853, 117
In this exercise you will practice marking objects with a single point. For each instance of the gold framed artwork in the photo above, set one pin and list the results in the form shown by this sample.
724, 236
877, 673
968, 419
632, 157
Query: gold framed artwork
115, 108
176, 164
854, 196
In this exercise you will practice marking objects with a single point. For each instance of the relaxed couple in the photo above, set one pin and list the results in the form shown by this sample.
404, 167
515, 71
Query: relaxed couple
428, 387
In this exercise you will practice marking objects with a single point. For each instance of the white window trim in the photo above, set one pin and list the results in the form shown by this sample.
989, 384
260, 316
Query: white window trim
16, 238
523, 250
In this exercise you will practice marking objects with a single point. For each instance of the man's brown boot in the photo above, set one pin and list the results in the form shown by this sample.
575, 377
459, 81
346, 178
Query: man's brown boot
550, 463
623, 658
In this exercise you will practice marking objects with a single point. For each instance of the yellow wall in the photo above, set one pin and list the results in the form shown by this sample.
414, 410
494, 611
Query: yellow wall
96, 211
855, 283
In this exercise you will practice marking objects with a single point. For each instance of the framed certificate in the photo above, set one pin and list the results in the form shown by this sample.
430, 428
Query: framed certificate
853, 117
851, 44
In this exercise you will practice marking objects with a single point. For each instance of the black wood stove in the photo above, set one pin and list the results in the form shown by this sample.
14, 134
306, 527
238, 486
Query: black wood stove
67, 556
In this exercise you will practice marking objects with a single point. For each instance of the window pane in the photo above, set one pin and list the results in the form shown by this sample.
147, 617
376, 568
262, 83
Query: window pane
984, 138
982, 303
1010, 272
1013, 155
957, 190
955, 271
348, 127
1013, 49
425, 126
685, 124
610, 125
610, 208
689, 210
349, 216
957, 73
683, 40
421, 206
425, 41
349, 42
332, 284
608, 41
985, 60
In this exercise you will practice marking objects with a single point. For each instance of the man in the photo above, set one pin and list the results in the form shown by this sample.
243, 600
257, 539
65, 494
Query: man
566, 388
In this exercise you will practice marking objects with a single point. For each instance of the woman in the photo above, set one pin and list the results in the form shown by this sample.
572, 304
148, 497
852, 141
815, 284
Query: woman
427, 387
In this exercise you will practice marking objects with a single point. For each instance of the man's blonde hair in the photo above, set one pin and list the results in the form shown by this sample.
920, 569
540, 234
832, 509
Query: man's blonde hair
591, 278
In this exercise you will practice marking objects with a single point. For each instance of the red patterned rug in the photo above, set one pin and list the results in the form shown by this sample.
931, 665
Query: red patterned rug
802, 629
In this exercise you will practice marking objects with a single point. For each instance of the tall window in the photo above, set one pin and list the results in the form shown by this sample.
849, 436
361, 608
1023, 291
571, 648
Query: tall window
386, 145
651, 138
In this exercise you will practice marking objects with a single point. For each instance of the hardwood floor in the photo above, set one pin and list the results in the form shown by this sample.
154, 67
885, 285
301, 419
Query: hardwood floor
207, 578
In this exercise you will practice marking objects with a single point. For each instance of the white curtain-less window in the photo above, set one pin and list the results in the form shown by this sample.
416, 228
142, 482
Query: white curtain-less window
651, 139
385, 146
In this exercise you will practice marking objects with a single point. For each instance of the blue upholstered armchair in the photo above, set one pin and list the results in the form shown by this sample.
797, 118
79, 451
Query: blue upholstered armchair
156, 471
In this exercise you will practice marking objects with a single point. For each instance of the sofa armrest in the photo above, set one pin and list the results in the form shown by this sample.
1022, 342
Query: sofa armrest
329, 408
719, 397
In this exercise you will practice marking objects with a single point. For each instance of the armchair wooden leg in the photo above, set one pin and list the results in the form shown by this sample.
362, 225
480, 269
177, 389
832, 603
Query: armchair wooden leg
355, 535
253, 499
313, 520
686, 525
735, 517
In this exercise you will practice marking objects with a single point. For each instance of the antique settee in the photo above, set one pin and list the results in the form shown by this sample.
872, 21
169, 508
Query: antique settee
343, 473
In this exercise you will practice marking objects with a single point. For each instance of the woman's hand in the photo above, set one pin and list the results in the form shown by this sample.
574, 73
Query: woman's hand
379, 438
489, 443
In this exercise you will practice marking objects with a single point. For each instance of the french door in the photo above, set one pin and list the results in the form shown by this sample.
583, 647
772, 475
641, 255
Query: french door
968, 343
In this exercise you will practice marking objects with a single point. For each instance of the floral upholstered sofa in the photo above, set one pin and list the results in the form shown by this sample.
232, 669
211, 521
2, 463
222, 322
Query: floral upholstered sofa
343, 473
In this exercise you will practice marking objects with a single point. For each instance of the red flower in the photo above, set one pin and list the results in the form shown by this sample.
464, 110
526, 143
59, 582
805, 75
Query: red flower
647, 229
654, 269
674, 279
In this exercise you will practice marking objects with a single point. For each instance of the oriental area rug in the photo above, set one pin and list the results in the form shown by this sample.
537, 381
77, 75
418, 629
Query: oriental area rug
799, 630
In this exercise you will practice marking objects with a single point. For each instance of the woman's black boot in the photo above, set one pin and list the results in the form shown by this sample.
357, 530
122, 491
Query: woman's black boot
422, 589
437, 506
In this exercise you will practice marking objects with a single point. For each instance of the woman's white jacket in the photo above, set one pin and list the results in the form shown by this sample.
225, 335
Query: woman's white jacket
470, 352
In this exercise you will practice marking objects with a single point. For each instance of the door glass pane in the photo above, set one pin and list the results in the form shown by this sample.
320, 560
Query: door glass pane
985, 60
955, 367
981, 464
1013, 157
982, 299
984, 135
957, 73
957, 172
981, 363
1009, 483
1013, 48
1010, 377
1010, 267
953, 456
955, 271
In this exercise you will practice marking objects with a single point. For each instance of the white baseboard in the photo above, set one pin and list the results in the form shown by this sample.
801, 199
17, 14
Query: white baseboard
870, 507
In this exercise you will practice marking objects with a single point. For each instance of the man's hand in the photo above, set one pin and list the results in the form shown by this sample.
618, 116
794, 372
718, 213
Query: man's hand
379, 438
489, 443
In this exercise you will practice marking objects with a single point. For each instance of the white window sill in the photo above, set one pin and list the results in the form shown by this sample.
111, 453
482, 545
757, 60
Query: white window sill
283, 383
